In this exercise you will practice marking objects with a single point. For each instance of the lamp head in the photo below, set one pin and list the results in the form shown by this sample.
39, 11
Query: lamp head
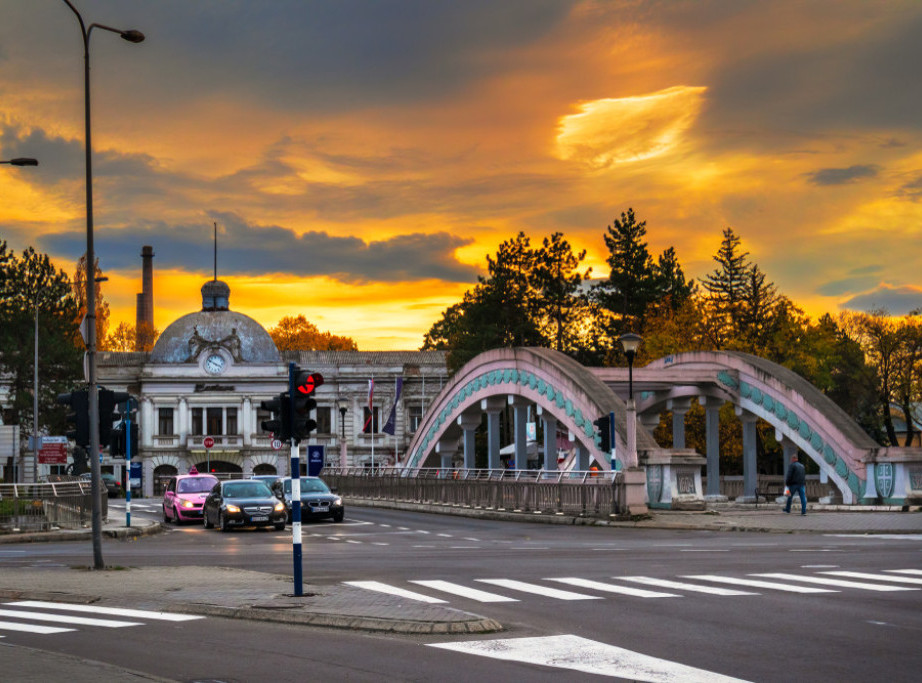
630, 342
132, 36
23, 161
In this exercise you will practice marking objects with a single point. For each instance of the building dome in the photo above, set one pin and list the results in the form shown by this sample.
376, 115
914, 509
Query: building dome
215, 326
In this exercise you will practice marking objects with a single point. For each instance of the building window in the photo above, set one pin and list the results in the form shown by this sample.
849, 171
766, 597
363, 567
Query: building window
370, 420
165, 422
324, 417
414, 417
197, 423
232, 421
215, 418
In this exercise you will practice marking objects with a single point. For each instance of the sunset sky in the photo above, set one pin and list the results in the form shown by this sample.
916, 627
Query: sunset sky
361, 157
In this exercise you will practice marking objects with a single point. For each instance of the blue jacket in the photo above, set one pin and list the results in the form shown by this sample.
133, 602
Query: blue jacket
796, 476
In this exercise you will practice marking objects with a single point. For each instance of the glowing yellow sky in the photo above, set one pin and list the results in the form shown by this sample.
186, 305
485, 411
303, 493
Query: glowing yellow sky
359, 176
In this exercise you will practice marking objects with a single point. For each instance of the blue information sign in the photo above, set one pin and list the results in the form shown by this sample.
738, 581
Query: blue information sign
315, 458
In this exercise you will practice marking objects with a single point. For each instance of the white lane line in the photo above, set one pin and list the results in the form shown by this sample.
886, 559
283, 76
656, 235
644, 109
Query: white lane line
445, 535
836, 582
111, 611
472, 540
678, 585
875, 577
464, 547
893, 537
611, 588
703, 550
66, 619
32, 628
385, 526
423, 531
349, 540
904, 571
581, 654
464, 591
755, 583
379, 543
379, 587
538, 590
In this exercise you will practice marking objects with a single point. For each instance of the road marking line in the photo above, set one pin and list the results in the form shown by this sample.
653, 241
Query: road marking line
678, 585
754, 583
589, 656
703, 550
472, 540
904, 571
538, 590
446, 536
875, 577
464, 591
112, 611
67, 619
32, 628
611, 588
379, 587
835, 582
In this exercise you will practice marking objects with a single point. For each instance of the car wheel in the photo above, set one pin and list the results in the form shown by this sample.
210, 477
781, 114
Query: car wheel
280, 526
222, 523
338, 517
176, 519
208, 525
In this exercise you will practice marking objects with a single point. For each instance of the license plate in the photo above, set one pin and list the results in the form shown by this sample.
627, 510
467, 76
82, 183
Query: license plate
259, 518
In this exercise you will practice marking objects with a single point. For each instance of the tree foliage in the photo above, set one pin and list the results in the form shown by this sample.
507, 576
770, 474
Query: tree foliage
297, 334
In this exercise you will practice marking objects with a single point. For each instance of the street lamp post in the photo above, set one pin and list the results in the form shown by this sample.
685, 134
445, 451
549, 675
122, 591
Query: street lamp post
630, 342
35, 395
131, 36
341, 404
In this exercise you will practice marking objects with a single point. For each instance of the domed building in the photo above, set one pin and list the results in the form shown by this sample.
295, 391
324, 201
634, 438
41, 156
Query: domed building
210, 370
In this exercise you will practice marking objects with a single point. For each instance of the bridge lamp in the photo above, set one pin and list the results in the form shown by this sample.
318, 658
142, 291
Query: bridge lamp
630, 342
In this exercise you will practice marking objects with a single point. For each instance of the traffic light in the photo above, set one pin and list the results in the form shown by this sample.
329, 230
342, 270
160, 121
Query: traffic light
80, 464
280, 424
118, 446
604, 426
80, 415
304, 402
108, 401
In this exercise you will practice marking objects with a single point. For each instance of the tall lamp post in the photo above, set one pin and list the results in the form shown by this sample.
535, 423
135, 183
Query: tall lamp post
341, 404
630, 342
131, 36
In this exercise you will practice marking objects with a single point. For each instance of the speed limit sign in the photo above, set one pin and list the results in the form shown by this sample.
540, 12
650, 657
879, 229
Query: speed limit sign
276, 444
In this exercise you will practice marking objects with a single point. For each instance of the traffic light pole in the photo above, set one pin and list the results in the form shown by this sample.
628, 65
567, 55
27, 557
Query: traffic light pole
128, 462
295, 489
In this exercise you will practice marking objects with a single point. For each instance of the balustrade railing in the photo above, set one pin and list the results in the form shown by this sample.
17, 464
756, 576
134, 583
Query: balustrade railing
66, 504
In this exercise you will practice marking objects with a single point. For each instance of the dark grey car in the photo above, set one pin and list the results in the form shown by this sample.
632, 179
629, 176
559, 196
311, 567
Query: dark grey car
242, 502
317, 500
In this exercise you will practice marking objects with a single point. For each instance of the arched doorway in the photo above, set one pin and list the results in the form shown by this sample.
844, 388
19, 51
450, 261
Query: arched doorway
162, 474
221, 469
264, 468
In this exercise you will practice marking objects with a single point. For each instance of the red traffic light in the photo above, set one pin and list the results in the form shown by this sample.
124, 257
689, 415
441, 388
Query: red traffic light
306, 382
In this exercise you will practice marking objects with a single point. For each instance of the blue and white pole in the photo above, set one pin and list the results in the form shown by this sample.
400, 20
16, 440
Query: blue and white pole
295, 488
128, 462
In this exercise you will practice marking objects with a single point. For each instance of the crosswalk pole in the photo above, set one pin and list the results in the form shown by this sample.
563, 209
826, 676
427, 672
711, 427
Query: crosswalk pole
295, 490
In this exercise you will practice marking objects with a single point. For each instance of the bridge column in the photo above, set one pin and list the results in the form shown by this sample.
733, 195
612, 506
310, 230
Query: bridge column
712, 408
550, 440
582, 457
520, 418
446, 448
469, 422
492, 407
750, 473
679, 408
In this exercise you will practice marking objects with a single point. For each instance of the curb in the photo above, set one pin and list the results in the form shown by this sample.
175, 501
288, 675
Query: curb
81, 534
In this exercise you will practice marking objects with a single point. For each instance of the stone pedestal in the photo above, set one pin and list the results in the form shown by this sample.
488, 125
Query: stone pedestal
895, 477
635, 495
674, 480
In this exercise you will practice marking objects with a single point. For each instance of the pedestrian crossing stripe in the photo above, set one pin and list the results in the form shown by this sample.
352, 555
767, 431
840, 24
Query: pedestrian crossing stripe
755, 583
836, 582
66, 619
32, 628
111, 611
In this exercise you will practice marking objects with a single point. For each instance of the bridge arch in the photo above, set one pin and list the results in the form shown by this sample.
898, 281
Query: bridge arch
556, 383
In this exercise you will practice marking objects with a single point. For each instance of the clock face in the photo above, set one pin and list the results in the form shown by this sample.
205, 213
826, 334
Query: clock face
215, 364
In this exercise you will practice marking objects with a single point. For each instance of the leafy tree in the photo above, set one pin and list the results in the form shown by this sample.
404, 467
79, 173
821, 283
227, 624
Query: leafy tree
126, 338
28, 284
297, 334
102, 306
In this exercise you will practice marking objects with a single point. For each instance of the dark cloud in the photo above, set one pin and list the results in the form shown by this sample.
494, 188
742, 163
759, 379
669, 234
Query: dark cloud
842, 176
247, 249
894, 300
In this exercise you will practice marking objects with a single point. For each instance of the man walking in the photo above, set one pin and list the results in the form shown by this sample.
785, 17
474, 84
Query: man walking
796, 482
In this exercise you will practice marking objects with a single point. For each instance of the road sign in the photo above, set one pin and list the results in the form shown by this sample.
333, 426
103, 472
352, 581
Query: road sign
53, 450
208, 441
276, 444
315, 457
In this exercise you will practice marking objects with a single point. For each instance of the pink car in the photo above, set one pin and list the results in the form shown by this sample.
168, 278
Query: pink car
184, 497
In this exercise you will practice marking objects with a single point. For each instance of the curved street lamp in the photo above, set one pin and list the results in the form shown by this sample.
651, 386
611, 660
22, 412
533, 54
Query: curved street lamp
132, 36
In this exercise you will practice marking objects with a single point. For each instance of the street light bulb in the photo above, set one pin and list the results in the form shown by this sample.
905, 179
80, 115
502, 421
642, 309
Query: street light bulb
132, 36
630, 342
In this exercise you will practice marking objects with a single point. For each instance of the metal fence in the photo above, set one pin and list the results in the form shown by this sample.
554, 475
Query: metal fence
586, 494
65, 504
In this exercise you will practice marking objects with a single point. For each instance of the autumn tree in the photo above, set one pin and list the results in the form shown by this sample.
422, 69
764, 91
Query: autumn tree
102, 306
297, 334
126, 338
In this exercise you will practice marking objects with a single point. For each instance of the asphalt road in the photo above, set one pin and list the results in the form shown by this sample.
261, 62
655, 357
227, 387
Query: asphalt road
866, 627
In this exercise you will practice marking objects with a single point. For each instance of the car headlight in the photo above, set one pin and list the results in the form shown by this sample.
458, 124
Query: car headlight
188, 504
232, 508
338, 502
280, 507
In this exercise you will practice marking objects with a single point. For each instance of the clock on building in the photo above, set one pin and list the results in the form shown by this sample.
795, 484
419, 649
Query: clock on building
215, 364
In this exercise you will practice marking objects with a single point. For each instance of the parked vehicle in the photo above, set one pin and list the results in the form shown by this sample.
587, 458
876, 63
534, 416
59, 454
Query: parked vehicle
243, 502
112, 484
317, 500
184, 496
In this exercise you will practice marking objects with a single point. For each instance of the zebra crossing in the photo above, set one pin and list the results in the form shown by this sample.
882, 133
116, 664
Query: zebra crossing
644, 587
62, 617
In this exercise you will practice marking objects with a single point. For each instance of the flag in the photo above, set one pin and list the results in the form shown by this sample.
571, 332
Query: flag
367, 427
390, 425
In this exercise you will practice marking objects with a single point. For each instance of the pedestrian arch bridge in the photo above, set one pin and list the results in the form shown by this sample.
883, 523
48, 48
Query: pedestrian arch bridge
569, 397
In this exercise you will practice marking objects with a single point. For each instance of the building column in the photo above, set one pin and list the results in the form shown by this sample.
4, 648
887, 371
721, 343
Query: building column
750, 473
550, 440
183, 420
520, 429
146, 423
469, 422
245, 422
492, 407
147, 478
712, 408
679, 408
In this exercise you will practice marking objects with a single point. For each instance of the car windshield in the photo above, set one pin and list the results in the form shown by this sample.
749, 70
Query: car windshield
196, 485
308, 486
247, 489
